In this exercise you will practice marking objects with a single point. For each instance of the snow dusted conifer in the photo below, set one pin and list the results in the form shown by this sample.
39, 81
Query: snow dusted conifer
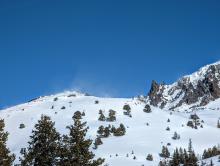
112, 116
44, 144
101, 116
6, 159
76, 148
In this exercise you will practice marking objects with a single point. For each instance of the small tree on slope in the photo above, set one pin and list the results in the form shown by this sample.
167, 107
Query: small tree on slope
6, 159
43, 147
75, 148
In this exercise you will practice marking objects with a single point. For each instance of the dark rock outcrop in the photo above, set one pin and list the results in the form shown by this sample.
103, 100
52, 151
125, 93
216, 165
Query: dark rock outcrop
156, 93
201, 88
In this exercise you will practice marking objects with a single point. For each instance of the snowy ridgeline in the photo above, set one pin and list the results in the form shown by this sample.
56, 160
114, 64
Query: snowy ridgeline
147, 129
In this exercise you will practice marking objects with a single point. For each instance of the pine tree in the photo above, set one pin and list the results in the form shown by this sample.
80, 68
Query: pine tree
192, 159
101, 130
175, 159
165, 152
127, 107
112, 116
44, 146
6, 159
120, 131
190, 150
149, 157
97, 142
218, 124
176, 136
127, 110
101, 116
147, 109
75, 148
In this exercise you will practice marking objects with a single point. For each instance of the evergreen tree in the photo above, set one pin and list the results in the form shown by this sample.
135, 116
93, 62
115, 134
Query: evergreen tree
127, 107
75, 149
211, 152
120, 131
112, 116
101, 116
218, 124
6, 159
163, 163
190, 150
147, 109
165, 152
97, 142
149, 157
44, 146
175, 159
176, 136
101, 130
192, 159
127, 110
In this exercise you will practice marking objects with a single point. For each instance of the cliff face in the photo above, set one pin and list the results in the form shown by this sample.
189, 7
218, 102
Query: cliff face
197, 89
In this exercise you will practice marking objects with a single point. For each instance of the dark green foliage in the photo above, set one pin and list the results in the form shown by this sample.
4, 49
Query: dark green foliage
127, 110
182, 157
6, 159
120, 131
194, 117
22, 126
149, 157
101, 130
190, 124
211, 152
105, 132
98, 141
112, 116
43, 146
55, 99
165, 152
147, 109
127, 107
75, 147
176, 136
163, 163
194, 122
218, 124
77, 115
101, 116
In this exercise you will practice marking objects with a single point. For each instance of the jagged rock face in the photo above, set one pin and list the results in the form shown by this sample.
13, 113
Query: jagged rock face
156, 93
199, 88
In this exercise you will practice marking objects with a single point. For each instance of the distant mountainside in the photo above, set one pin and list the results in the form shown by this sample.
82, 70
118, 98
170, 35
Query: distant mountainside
191, 91
170, 115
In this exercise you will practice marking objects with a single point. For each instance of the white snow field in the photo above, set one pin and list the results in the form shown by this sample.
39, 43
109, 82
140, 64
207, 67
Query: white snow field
140, 138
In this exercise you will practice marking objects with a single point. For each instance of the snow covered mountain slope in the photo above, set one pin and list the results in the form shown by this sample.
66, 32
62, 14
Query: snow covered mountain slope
145, 132
191, 91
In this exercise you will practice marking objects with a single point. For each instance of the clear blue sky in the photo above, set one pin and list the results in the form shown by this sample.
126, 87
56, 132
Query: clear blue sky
106, 47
